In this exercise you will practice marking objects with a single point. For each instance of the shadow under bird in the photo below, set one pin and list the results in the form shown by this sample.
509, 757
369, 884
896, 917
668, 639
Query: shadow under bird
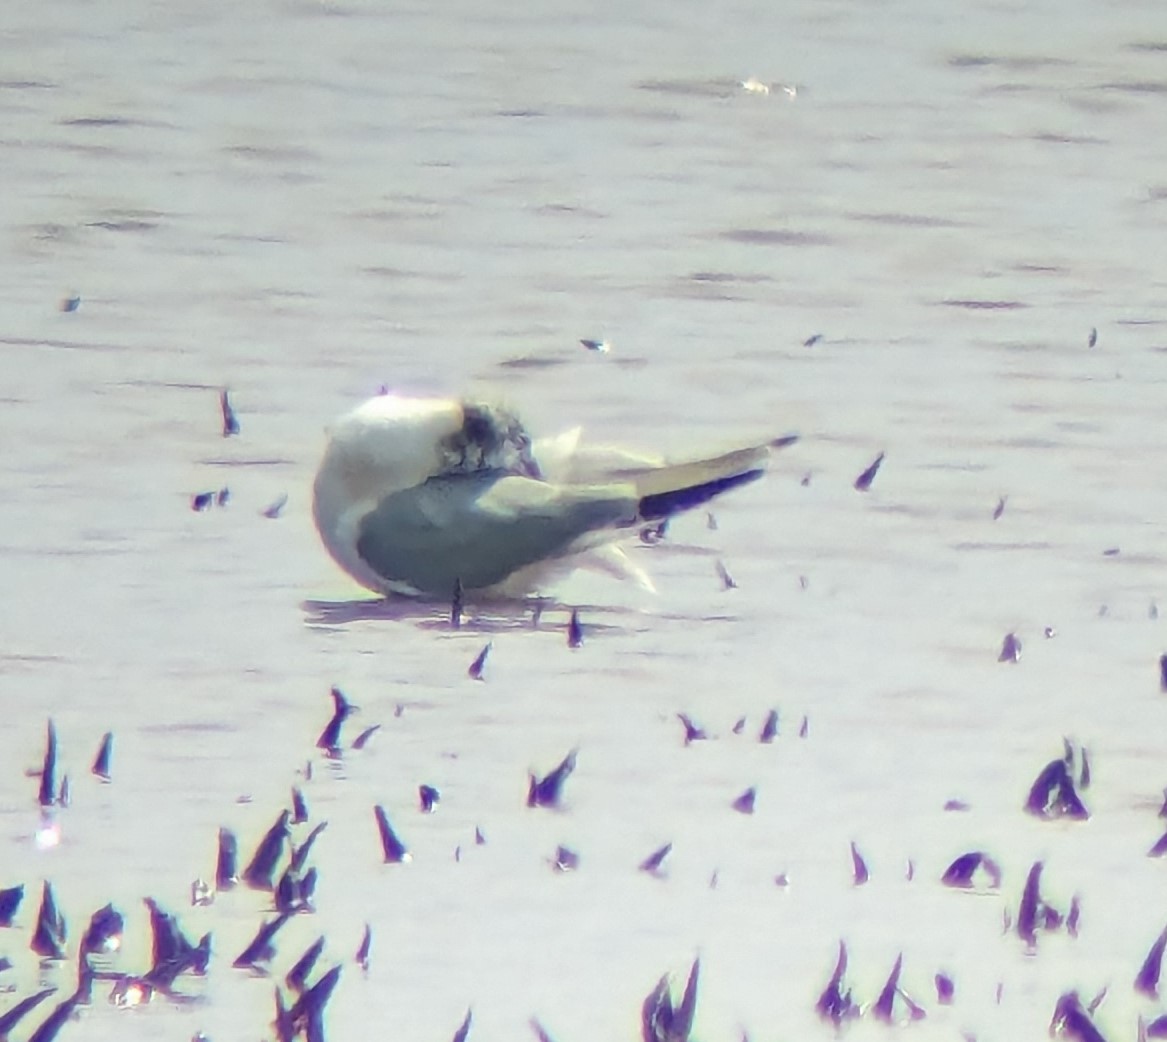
414, 495
660, 1020
11, 1017
362, 739
52, 1024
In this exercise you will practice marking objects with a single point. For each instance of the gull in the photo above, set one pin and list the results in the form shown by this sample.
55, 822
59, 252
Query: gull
422, 496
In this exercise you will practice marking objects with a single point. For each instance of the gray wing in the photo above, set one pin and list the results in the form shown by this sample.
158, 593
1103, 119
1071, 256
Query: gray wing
479, 528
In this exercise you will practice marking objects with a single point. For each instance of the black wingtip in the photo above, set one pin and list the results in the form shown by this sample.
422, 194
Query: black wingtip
664, 504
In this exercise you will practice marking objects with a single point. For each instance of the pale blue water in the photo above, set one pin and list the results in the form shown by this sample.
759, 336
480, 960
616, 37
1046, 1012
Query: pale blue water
305, 201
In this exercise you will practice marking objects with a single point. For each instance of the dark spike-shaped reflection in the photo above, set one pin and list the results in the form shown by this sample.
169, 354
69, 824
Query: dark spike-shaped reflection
860, 875
48, 940
835, 1003
299, 806
945, 989
261, 948
769, 728
966, 869
362, 956
548, 790
427, 798
575, 637
307, 1012
104, 933
456, 605
652, 864
660, 1020
226, 870
342, 709
479, 663
230, 420
260, 872
10, 899
694, 732
863, 482
300, 853
884, 1008
1147, 981
303, 966
1053, 795
744, 804
393, 850
463, 1031
172, 954
48, 787
1072, 1021
101, 762
1034, 913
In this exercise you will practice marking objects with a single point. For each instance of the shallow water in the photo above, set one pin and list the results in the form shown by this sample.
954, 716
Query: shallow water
307, 201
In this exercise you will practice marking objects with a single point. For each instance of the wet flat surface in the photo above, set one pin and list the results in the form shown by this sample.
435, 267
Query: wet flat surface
305, 202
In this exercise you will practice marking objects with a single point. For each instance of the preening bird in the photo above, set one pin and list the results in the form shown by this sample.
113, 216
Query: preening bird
414, 495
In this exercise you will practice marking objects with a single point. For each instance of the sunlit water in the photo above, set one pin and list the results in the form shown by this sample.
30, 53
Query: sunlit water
306, 201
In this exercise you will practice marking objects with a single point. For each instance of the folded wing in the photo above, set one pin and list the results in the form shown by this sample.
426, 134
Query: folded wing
479, 528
